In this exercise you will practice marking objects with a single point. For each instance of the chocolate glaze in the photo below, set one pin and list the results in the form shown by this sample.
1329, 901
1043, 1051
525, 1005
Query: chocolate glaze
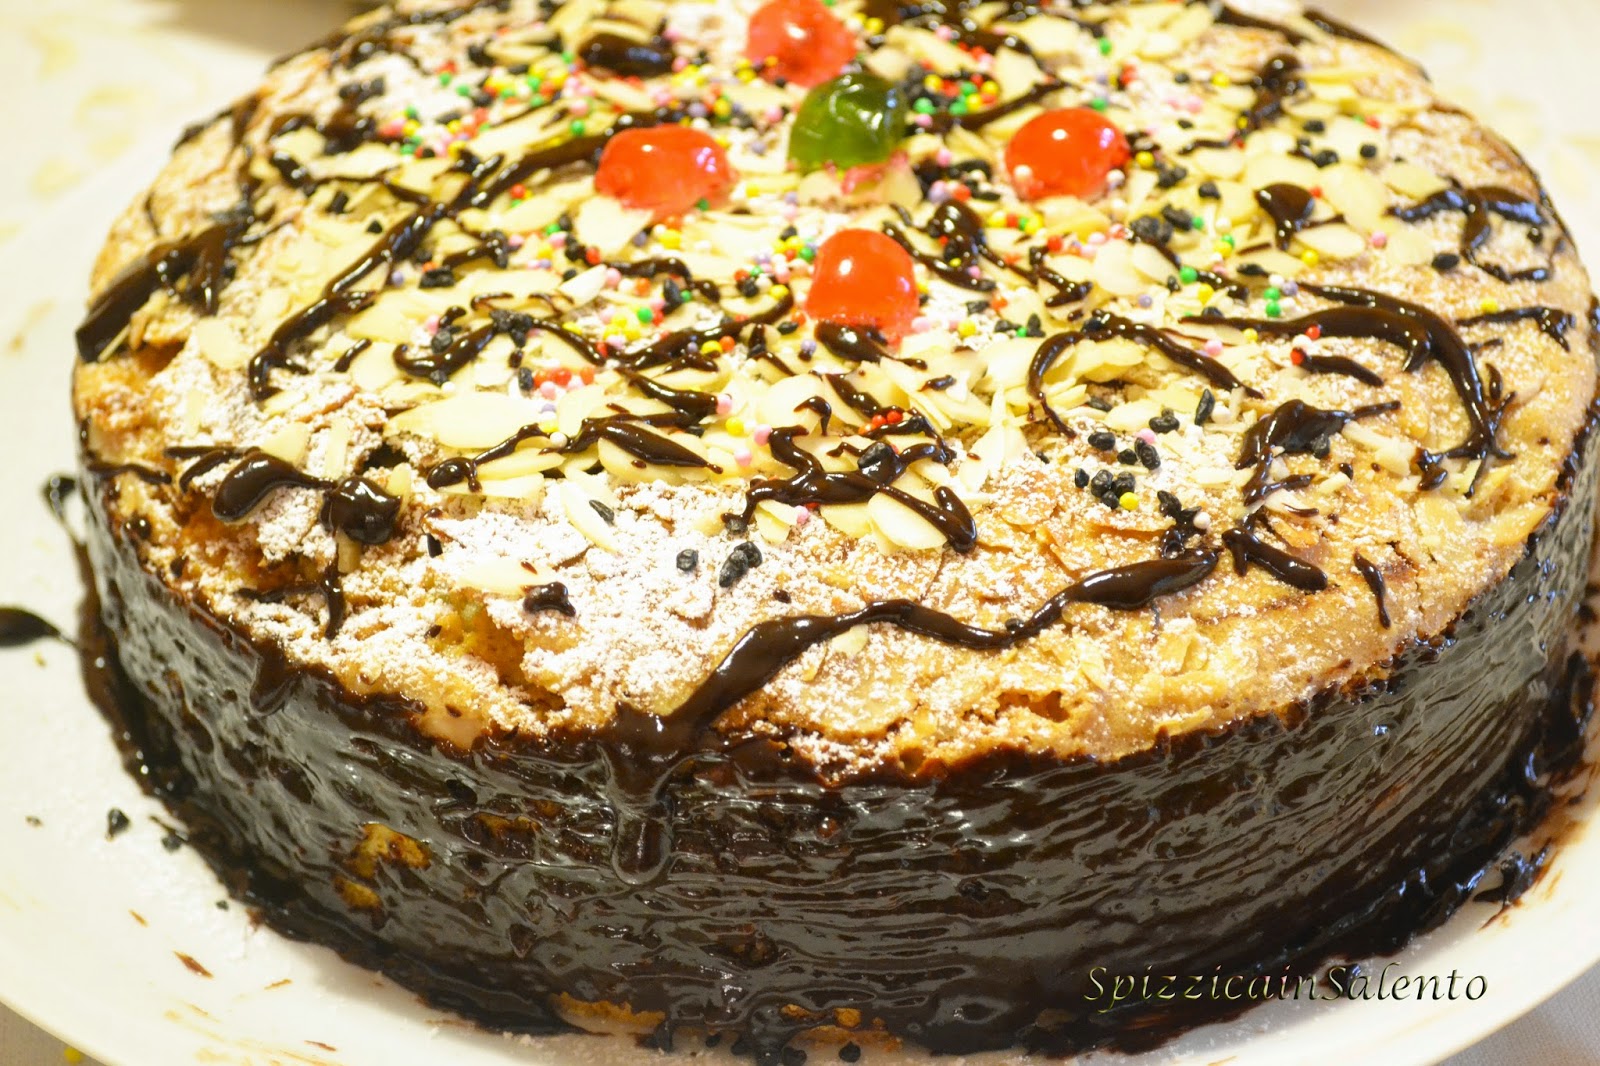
57, 490
952, 903
19, 626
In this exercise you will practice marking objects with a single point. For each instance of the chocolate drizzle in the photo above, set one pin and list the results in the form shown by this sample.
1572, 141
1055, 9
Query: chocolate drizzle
1478, 204
551, 597
769, 646
963, 246
1335, 28
248, 485
1281, 79
1246, 548
679, 342
386, 35
1289, 206
1293, 428
439, 363
627, 433
361, 511
1103, 326
854, 344
206, 459
201, 258
1446, 348
1232, 16
692, 406
1339, 364
1377, 323
945, 121
271, 688
627, 57
814, 484
1551, 321
1374, 579
1067, 292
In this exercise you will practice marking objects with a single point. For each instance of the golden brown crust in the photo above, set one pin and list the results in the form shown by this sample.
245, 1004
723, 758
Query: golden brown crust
450, 630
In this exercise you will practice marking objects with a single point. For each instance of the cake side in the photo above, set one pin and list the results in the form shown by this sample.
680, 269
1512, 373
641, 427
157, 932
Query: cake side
1354, 507
532, 884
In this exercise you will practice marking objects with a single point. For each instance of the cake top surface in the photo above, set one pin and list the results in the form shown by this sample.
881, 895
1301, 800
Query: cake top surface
904, 380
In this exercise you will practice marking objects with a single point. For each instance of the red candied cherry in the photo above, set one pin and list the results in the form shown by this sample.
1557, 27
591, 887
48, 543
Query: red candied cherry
1067, 152
665, 169
862, 278
807, 42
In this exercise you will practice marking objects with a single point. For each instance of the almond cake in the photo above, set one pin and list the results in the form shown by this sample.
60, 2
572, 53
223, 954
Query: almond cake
804, 525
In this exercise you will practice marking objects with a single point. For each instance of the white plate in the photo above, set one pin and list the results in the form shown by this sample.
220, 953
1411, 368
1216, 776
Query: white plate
76, 960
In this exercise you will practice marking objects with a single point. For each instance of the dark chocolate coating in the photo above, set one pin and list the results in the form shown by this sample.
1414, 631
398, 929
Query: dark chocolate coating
952, 905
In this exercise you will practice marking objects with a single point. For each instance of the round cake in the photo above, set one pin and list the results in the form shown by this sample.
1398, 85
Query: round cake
804, 525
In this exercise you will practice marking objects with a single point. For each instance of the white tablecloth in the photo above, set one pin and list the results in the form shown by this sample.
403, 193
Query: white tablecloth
93, 78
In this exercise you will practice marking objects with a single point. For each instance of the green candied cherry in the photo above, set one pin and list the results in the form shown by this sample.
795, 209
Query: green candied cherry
850, 121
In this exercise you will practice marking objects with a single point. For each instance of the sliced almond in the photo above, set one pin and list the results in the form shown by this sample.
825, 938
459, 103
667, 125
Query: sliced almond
218, 343
1337, 241
582, 289
901, 525
580, 511
1412, 181
469, 420
288, 443
607, 225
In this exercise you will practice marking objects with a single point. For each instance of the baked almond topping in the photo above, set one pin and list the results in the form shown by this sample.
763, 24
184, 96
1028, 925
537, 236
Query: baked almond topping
966, 325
